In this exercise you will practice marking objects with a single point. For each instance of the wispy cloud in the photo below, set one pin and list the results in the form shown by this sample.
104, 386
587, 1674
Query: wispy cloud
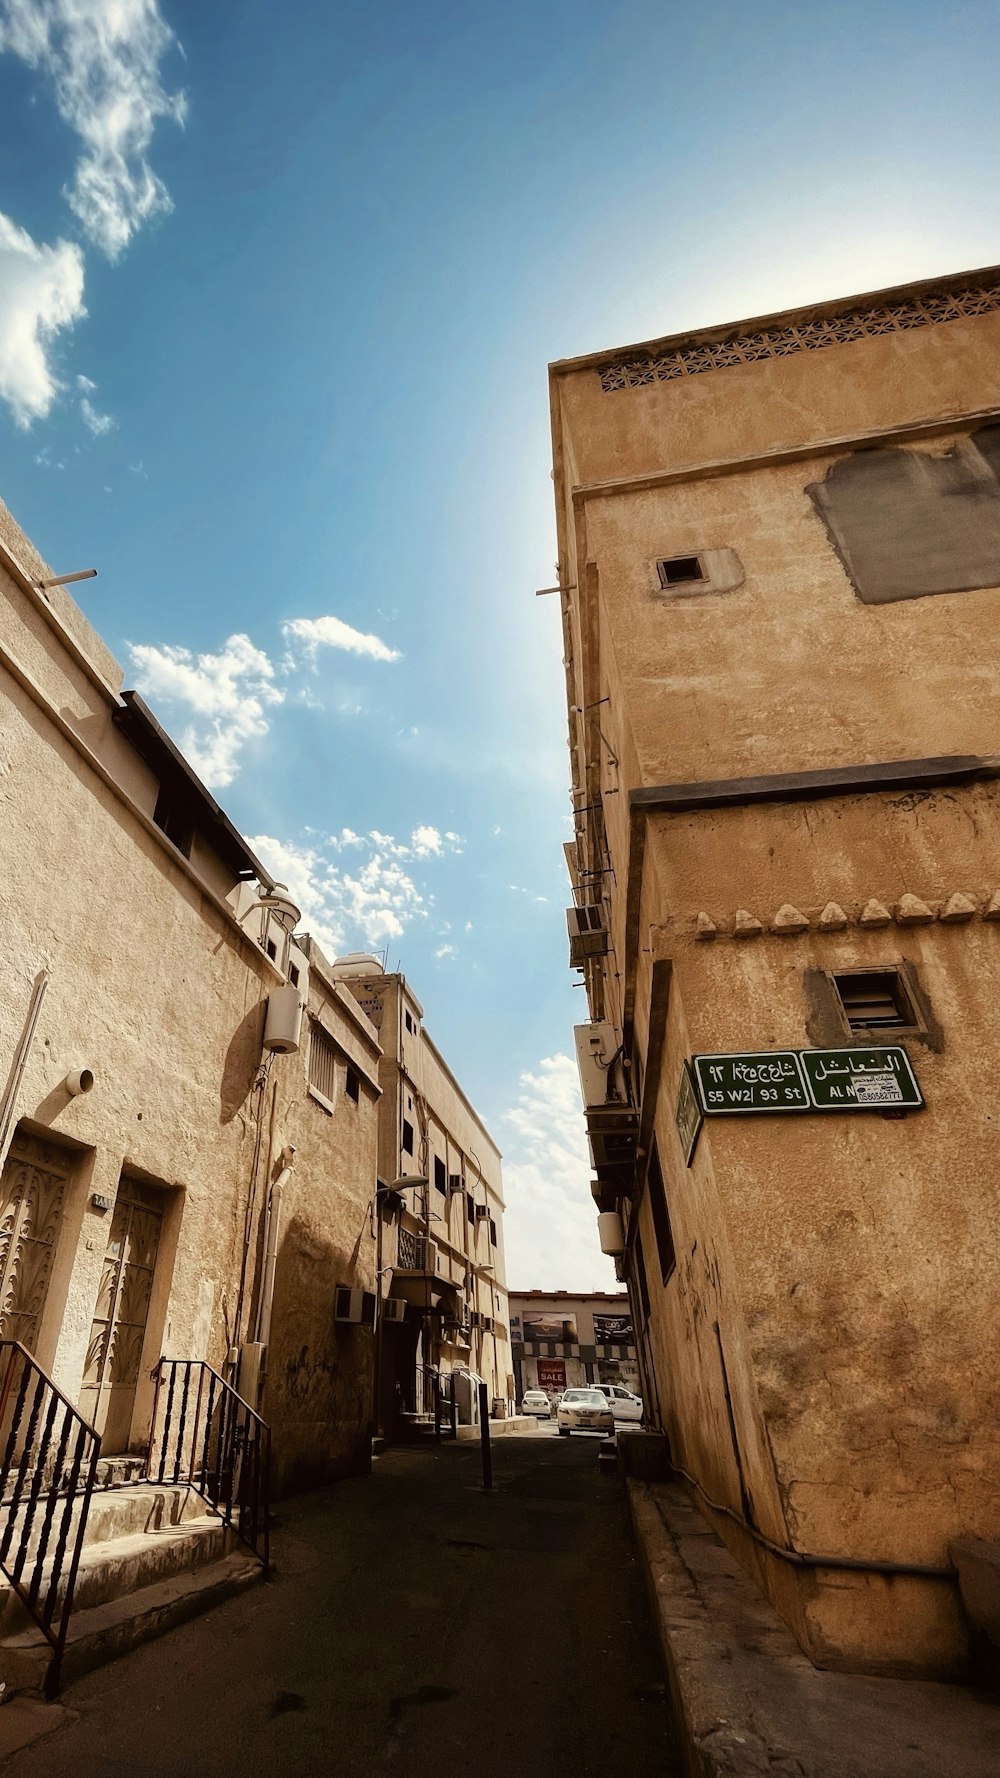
98, 424
102, 59
228, 694
550, 1230
41, 294
424, 842
305, 636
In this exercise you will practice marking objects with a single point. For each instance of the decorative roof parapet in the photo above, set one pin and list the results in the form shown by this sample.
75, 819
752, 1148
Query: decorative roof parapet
861, 322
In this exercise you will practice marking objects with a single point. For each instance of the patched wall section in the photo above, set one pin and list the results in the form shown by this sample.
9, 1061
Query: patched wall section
906, 524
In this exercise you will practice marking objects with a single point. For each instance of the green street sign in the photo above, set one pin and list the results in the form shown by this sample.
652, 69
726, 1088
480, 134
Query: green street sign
734, 1085
861, 1079
687, 1114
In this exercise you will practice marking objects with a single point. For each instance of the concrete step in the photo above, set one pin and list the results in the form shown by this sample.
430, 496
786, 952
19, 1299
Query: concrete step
117, 1512
102, 1632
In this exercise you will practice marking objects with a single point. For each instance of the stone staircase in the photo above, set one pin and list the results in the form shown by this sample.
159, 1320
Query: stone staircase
154, 1554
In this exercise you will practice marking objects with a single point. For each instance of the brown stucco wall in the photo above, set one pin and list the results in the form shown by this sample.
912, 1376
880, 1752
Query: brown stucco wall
834, 1274
155, 988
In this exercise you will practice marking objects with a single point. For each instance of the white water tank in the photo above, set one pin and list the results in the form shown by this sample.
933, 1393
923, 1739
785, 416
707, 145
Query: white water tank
284, 1020
357, 963
611, 1232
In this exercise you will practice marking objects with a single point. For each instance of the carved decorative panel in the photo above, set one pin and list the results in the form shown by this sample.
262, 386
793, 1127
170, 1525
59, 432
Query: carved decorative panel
123, 1296
32, 1196
806, 336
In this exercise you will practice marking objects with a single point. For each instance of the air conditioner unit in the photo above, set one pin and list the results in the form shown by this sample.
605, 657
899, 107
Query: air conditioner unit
475, 1319
596, 1051
588, 934
357, 1306
456, 1182
482, 1210
394, 1309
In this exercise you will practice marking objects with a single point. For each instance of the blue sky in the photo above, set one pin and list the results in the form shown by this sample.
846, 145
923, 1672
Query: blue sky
278, 288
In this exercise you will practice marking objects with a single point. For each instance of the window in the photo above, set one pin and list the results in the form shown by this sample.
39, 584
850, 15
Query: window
493, 1233
875, 1000
408, 1020
293, 974
322, 1064
661, 1216
173, 822
675, 570
440, 1174
407, 1136
639, 1272
272, 950
470, 1210
352, 1084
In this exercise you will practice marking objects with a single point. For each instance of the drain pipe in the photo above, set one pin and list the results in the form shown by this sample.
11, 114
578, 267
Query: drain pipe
8, 1100
262, 1331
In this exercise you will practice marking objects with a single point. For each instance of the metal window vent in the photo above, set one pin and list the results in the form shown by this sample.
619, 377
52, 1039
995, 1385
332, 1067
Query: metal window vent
588, 934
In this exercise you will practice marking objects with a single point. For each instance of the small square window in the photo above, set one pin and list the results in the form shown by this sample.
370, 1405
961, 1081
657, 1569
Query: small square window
409, 1022
407, 1137
174, 822
677, 570
352, 1084
875, 1000
271, 949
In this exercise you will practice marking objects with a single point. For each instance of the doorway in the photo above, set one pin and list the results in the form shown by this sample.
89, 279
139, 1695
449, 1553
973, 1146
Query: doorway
118, 1332
33, 1190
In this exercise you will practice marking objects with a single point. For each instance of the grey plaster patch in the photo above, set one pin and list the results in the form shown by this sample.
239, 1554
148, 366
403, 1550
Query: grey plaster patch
906, 524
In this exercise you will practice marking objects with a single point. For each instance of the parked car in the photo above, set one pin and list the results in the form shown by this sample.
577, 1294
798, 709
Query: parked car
583, 1410
536, 1402
624, 1405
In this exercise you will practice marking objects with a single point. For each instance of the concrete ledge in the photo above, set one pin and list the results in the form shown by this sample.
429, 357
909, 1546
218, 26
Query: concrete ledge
499, 1428
749, 1703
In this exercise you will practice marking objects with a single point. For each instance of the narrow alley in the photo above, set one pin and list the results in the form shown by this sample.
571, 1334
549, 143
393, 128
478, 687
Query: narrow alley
414, 1622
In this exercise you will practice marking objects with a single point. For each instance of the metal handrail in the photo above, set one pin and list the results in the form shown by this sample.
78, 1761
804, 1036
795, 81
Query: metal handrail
51, 1452
222, 1450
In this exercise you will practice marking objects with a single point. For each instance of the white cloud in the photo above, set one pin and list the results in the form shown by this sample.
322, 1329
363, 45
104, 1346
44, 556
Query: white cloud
367, 905
41, 293
550, 1227
309, 634
446, 950
102, 58
424, 842
99, 424
227, 692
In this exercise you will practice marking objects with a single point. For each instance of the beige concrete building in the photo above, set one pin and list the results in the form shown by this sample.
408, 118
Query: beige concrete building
443, 1309
779, 549
561, 1339
211, 1184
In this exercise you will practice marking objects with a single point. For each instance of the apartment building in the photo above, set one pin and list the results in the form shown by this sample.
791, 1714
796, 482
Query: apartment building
779, 549
561, 1339
171, 1184
442, 1315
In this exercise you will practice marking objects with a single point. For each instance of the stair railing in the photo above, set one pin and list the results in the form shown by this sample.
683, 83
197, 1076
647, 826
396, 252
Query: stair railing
47, 1472
204, 1434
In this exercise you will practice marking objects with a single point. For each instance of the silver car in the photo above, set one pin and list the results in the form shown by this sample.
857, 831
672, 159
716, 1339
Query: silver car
583, 1410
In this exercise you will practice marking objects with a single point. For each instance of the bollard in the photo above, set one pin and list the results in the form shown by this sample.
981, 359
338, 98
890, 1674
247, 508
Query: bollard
484, 1433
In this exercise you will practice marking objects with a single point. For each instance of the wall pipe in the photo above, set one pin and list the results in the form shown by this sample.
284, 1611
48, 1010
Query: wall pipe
805, 1558
262, 1331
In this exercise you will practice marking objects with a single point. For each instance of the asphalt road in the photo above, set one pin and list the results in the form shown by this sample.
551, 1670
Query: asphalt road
415, 1624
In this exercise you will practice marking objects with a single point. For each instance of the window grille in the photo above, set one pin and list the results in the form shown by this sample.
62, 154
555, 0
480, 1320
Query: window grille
322, 1063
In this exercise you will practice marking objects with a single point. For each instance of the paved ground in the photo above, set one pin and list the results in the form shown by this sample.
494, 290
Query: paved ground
416, 1625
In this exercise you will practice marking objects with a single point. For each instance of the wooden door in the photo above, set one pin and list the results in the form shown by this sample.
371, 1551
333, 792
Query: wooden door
119, 1327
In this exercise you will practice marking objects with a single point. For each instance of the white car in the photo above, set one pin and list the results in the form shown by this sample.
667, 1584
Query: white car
583, 1410
536, 1402
624, 1405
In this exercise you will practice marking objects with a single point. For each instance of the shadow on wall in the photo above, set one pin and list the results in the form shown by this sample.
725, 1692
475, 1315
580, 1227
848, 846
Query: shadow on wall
243, 1058
318, 1394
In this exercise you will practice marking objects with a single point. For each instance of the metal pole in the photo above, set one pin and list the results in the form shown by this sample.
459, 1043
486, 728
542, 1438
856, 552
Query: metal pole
377, 1328
484, 1433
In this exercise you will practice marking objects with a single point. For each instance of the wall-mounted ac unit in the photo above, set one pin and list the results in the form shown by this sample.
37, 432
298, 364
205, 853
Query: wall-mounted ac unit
357, 1306
475, 1319
588, 934
456, 1182
596, 1052
482, 1210
394, 1309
